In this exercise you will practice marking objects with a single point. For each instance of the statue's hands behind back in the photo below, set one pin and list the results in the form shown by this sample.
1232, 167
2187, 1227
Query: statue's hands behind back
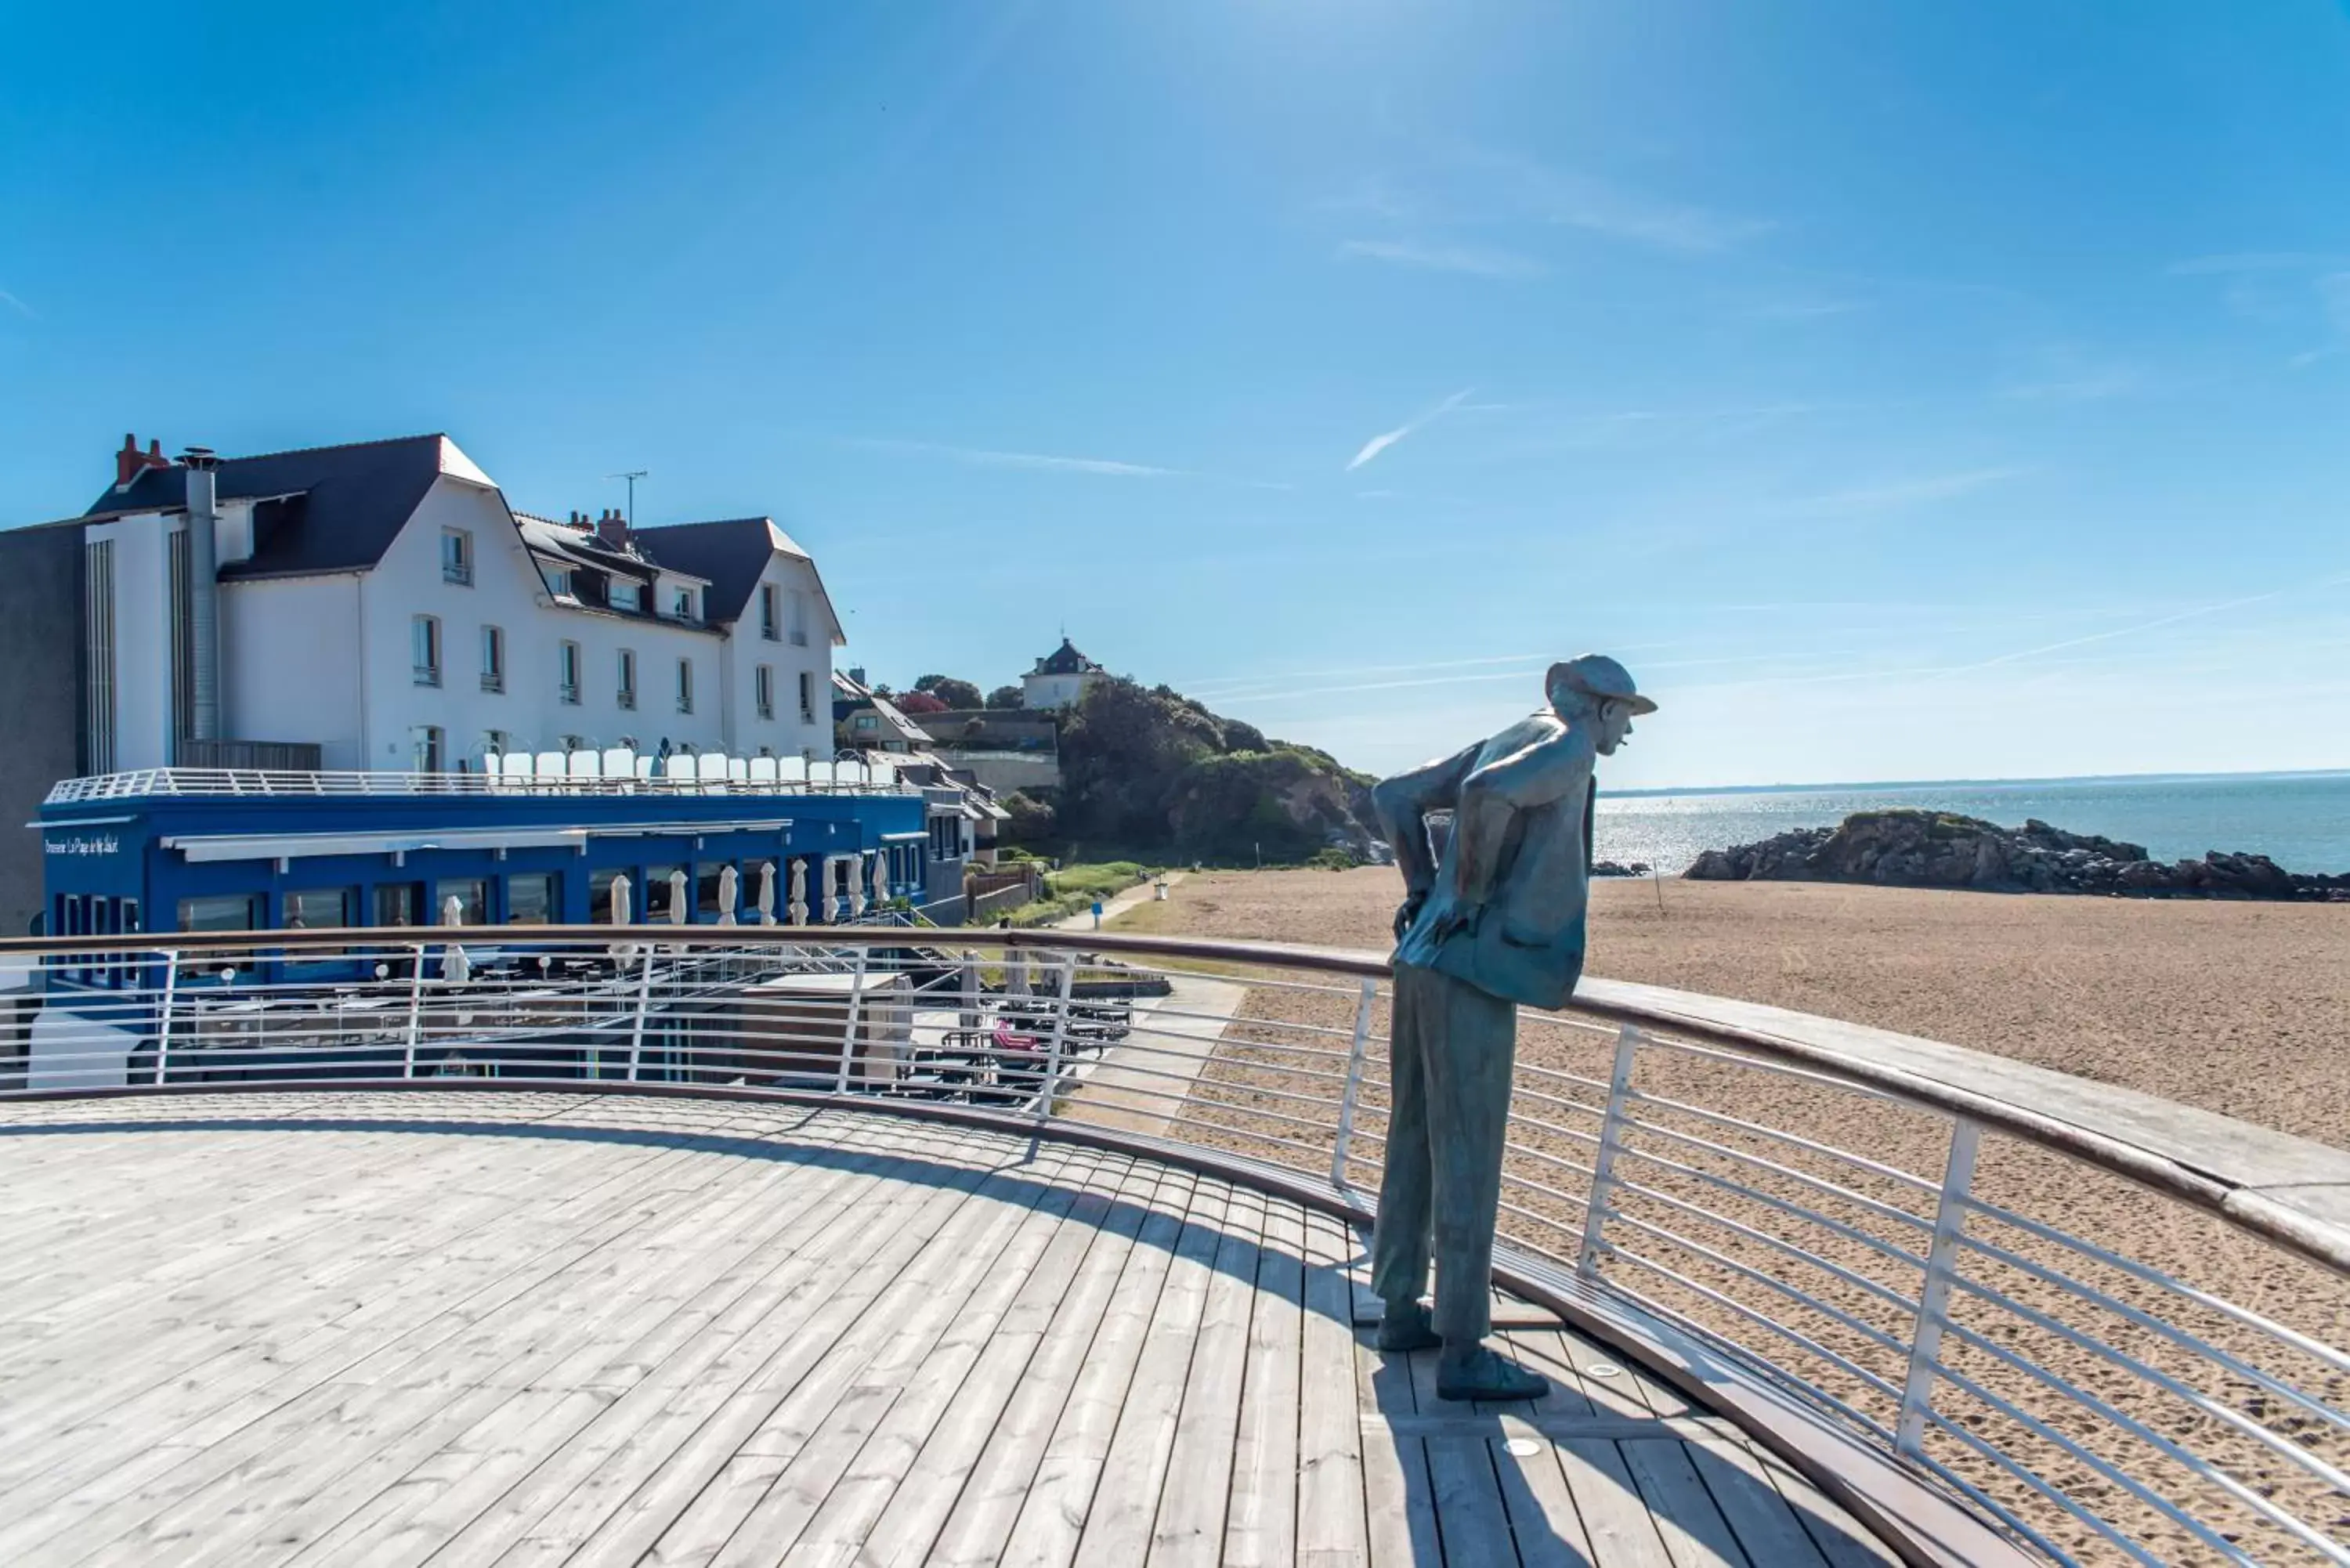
1406, 912
1460, 919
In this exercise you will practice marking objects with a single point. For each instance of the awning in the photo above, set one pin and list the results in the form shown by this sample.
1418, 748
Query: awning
297, 846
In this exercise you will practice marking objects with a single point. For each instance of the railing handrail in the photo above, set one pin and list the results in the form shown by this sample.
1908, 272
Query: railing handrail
2288, 1191
281, 784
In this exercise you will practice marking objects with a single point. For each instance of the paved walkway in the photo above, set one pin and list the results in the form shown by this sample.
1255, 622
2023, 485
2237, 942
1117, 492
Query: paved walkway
1083, 920
1140, 1084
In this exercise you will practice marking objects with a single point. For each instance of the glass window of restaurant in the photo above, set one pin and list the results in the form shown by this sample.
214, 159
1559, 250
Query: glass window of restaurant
706, 875
533, 898
652, 901
396, 903
320, 908
472, 894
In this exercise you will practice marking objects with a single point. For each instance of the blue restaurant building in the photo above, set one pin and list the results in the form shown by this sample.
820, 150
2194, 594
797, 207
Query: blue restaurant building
171, 850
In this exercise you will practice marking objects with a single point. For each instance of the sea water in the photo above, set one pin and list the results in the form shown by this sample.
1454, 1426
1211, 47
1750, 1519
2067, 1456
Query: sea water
2302, 821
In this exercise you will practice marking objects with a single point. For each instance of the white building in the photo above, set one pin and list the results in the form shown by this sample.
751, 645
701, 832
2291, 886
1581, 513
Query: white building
1059, 679
382, 602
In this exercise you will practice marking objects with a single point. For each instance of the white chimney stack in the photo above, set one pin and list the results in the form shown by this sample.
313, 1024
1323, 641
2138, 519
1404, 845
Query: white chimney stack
203, 595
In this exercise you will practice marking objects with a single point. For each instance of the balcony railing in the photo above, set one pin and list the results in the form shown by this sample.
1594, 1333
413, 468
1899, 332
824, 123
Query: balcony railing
2104, 1326
548, 773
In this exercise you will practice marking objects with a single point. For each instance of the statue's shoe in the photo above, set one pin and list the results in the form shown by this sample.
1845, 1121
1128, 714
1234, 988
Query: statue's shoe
1406, 1329
1478, 1373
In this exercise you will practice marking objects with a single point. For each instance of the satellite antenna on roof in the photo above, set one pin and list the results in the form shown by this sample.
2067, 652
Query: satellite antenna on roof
632, 476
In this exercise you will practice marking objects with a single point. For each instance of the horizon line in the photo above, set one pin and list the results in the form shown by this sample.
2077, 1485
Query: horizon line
1654, 792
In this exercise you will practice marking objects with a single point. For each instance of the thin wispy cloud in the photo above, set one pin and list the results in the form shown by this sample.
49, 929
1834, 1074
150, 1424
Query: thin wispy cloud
986, 457
1898, 494
2252, 261
2069, 373
13, 302
1380, 442
1481, 186
1477, 261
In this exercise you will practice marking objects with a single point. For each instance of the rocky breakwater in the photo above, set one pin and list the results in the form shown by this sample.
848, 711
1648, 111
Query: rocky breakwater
1932, 850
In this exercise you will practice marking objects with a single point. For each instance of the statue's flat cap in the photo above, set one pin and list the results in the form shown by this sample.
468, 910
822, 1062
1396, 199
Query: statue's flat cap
1599, 676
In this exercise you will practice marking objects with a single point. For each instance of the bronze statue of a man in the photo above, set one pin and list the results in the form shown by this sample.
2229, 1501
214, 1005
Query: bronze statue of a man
1497, 923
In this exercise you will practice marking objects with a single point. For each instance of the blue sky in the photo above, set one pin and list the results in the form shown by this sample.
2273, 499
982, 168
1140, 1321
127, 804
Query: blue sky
1900, 390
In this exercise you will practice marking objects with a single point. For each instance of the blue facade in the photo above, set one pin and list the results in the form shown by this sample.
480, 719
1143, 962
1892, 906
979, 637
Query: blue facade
165, 863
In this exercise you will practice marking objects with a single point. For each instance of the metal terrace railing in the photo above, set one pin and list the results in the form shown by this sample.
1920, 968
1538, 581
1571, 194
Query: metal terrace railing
549, 775
2108, 1327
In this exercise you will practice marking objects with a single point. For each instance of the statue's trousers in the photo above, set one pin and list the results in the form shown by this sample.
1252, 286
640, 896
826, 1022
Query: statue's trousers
1451, 1046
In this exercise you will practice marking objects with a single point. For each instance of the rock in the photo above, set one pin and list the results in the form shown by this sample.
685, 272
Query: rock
1615, 869
1909, 849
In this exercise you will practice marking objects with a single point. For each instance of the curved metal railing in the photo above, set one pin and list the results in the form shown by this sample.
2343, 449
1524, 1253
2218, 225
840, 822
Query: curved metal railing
2110, 1325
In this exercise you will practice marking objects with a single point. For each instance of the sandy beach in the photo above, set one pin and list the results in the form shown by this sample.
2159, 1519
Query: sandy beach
2238, 1008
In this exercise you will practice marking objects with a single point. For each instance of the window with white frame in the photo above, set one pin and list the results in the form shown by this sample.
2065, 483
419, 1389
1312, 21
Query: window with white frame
800, 618
685, 686
627, 692
493, 660
680, 604
424, 643
567, 672
763, 690
456, 556
807, 696
770, 612
625, 594
558, 583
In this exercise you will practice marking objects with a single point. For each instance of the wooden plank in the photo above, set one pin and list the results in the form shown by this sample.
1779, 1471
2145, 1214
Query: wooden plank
623, 1511
1260, 1526
1046, 1330
1042, 1256
213, 1443
539, 1346
1051, 1517
925, 1359
1615, 1519
1039, 1454
899, 1239
1766, 1528
1125, 1496
1694, 1531
1842, 1539
1399, 1502
764, 1264
1194, 1502
1331, 1530
1468, 1502
1543, 1516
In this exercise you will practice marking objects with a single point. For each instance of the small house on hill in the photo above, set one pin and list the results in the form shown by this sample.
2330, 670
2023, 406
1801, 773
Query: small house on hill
1059, 679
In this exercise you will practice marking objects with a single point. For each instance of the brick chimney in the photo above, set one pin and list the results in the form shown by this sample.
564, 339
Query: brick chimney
130, 462
612, 529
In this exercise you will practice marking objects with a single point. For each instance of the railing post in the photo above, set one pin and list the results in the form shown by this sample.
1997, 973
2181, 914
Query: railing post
637, 1028
1934, 1296
1603, 1166
855, 1008
1052, 1084
415, 1005
1353, 1084
163, 1029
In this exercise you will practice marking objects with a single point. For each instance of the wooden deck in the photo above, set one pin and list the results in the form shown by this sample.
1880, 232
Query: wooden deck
535, 1329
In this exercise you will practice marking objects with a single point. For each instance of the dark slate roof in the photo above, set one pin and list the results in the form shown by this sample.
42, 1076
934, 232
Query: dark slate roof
349, 503
730, 552
1063, 660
